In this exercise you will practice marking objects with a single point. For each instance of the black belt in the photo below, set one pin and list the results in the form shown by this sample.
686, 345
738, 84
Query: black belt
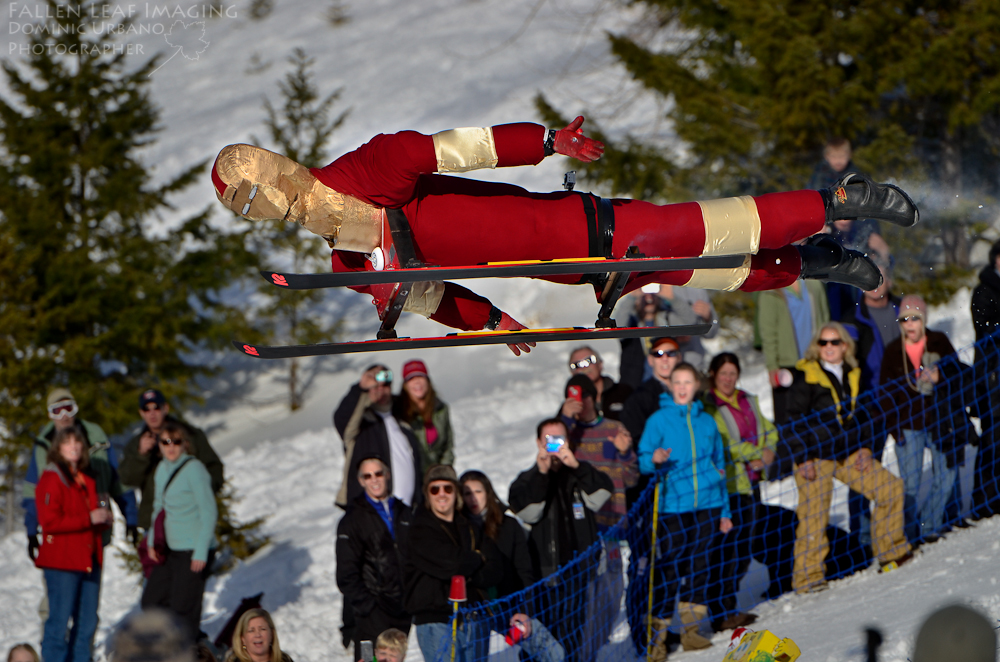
600, 225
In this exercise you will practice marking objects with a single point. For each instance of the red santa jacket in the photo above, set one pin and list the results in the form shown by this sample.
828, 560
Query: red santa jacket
457, 221
69, 540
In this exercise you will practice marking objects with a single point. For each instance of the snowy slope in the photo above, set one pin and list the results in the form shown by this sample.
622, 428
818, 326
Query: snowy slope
429, 66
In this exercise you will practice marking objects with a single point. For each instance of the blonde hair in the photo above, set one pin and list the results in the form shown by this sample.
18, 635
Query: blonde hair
34, 653
393, 640
241, 629
812, 352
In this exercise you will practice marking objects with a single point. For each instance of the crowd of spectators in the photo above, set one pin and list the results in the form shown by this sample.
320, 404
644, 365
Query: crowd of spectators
847, 371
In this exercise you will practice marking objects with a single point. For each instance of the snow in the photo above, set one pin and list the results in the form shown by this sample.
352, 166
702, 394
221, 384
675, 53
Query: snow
429, 66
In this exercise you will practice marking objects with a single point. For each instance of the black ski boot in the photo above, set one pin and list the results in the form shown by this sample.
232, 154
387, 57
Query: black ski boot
825, 259
856, 196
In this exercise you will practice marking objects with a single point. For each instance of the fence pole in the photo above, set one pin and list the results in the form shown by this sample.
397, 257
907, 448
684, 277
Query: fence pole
652, 556
454, 630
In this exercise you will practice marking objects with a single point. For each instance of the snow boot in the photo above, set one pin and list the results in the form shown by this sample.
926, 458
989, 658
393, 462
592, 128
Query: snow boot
856, 196
825, 259
659, 647
692, 640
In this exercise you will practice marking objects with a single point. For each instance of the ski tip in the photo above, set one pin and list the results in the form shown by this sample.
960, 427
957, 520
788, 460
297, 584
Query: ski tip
275, 278
249, 350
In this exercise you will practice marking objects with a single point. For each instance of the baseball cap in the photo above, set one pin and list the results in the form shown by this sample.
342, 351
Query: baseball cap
414, 368
151, 395
665, 340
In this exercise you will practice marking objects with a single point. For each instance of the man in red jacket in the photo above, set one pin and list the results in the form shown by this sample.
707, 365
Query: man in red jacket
455, 221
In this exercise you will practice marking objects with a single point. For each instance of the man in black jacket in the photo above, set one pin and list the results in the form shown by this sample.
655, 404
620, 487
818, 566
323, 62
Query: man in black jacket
370, 542
367, 427
142, 454
986, 319
558, 498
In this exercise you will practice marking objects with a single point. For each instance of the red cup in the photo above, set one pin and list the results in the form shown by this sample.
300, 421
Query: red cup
457, 593
515, 634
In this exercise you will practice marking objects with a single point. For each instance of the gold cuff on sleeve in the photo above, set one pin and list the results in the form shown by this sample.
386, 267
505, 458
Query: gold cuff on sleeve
425, 297
726, 280
461, 150
732, 226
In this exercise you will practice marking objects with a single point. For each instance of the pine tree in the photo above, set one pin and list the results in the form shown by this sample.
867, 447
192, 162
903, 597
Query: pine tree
759, 87
88, 297
300, 131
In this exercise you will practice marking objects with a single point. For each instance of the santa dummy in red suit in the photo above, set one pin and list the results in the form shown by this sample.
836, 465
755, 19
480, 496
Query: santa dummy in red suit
459, 222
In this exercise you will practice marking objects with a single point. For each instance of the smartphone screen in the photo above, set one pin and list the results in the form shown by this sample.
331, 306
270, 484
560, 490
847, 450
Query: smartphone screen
553, 443
367, 651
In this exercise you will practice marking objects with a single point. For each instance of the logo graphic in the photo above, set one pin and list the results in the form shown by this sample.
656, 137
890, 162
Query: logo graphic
188, 39
279, 280
252, 351
841, 194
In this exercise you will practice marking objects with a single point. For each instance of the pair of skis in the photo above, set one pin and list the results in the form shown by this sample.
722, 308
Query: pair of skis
395, 282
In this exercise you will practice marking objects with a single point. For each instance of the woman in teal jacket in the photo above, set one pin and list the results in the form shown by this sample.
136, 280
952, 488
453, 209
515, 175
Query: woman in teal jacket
183, 492
694, 501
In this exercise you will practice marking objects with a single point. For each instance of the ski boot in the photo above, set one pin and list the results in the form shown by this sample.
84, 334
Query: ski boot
825, 259
857, 196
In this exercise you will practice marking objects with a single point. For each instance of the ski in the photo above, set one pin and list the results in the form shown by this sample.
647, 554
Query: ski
468, 338
525, 269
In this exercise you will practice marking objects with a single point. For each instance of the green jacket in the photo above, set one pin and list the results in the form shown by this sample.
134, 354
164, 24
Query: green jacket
442, 451
102, 467
740, 452
138, 470
774, 323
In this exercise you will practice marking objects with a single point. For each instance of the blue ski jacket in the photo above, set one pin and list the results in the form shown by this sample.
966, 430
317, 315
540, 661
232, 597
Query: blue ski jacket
696, 470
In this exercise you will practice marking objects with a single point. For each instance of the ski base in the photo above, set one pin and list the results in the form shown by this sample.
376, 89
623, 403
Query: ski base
527, 269
464, 339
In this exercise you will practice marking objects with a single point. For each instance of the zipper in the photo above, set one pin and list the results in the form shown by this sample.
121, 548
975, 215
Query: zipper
694, 458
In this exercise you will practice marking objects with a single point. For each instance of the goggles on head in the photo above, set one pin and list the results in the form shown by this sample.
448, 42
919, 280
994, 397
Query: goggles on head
63, 408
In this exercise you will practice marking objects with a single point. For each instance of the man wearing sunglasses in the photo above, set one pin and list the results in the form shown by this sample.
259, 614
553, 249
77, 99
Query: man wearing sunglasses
367, 428
370, 540
610, 398
142, 453
62, 410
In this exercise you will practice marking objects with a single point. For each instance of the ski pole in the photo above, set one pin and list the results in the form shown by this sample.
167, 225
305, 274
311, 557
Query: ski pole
652, 554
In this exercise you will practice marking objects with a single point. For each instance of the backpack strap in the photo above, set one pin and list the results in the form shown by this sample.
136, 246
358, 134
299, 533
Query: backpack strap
174, 475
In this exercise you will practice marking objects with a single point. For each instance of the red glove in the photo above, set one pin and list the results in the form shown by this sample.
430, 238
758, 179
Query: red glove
508, 323
571, 142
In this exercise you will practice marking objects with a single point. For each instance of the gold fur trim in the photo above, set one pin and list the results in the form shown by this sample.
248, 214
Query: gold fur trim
732, 226
726, 280
461, 150
425, 297
262, 185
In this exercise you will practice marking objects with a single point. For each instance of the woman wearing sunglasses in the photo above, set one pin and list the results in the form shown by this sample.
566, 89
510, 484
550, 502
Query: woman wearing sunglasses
443, 544
910, 377
178, 583
826, 441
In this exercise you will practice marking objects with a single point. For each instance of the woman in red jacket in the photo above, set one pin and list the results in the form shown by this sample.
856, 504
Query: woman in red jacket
71, 551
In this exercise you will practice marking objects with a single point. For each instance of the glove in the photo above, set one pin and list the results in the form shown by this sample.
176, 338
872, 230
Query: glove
571, 142
133, 535
32, 547
508, 323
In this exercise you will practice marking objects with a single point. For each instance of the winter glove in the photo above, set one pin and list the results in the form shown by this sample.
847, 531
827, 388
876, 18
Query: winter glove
571, 142
133, 535
32, 547
508, 323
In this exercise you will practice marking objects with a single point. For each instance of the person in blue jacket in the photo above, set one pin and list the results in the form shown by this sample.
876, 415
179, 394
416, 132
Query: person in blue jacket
694, 501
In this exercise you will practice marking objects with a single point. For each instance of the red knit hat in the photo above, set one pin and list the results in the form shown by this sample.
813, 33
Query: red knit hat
414, 368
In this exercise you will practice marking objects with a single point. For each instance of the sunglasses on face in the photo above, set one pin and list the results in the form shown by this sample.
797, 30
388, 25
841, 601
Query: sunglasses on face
910, 318
152, 406
383, 376
167, 441
823, 342
583, 363
660, 353
65, 408
448, 489
377, 474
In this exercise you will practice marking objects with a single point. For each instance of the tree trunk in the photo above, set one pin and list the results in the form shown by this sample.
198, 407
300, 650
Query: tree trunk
10, 499
954, 230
